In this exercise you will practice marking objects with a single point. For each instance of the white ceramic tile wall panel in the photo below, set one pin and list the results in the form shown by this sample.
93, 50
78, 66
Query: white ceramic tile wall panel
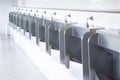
14, 2
101, 19
107, 20
105, 4
21, 2
73, 4
5, 7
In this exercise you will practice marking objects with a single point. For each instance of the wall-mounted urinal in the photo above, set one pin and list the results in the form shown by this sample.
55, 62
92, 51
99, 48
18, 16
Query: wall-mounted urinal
43, 22
32, 26
32, 29
73, 45
14, 20
21, 16
52, 35
42, 27
26, 24
38, 22
10, 19
71, 39
21, 25
104, 56
17, 21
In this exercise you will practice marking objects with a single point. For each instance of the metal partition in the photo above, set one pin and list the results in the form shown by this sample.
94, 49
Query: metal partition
52, 35
104, 57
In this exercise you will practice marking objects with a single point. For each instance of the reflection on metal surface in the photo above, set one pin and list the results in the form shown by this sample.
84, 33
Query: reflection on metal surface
52, 35
32, 26
26, 24
104, 56
95, 51
41, 25
73, 46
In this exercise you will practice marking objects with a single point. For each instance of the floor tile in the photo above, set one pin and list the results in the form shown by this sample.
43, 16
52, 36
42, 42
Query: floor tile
14, 64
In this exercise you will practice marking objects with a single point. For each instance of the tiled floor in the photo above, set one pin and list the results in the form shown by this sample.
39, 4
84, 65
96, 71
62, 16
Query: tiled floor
14, 64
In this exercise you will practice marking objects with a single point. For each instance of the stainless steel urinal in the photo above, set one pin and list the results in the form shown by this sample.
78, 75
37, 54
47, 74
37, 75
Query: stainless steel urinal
52, 35
14, 20
104, 57
31, 26
21, 21
10, 19
39, 31
37, 23
17, 21
42, 27
26, 23
73, 46
70, 43
41, 24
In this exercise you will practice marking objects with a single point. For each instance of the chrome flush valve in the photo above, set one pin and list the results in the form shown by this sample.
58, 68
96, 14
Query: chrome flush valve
53, 15
67, 16
89, 18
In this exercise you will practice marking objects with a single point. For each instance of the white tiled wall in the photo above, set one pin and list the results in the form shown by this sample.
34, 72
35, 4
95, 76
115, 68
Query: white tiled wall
76, 4
107, 20
5, 7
